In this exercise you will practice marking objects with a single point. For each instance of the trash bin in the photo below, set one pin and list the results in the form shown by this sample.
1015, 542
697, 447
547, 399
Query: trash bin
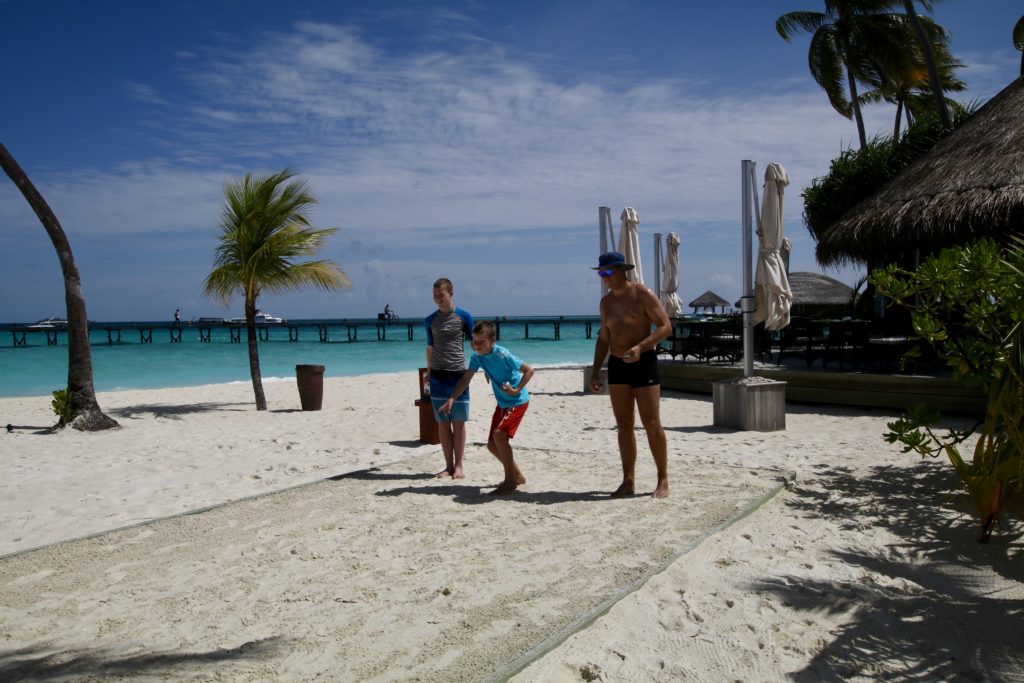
428, 425
310, 380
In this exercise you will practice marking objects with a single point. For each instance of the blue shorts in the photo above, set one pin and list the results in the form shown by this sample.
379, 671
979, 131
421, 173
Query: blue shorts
442, 383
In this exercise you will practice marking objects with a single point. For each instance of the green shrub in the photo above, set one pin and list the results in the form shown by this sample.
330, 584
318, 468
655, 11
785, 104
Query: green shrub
968, 303
62, 407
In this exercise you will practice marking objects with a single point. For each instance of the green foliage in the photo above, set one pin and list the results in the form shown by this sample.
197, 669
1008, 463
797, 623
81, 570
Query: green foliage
62, 407
968, 303
857, 173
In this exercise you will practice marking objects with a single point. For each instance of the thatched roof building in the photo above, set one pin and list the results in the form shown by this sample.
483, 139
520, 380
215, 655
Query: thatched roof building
815, 289
970, 185
708, 300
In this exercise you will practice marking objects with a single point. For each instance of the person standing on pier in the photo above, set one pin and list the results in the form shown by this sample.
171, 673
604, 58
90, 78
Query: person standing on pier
177, 316
447, 327
629, 311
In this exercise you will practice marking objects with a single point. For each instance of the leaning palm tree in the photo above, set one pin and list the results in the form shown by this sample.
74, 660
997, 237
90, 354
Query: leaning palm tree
85, 410
848, 41
264, 229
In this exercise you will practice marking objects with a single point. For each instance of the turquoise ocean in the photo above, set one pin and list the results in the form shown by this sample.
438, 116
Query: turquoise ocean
37, 369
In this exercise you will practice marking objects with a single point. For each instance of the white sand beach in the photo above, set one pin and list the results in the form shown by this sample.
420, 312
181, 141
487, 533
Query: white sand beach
816, 553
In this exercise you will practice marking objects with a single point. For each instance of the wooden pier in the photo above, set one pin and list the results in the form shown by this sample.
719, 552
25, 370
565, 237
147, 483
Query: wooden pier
326, 331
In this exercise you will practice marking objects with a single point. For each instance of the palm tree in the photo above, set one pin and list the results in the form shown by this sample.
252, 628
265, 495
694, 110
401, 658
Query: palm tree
264, 229
904, 81
1018, 41
925, 42
82, 396
850, 38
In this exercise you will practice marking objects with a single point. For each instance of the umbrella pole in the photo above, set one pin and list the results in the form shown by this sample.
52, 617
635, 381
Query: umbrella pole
657, 265
607, 236
747, 300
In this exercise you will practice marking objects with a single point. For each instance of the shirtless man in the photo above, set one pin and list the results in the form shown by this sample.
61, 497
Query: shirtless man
629, 311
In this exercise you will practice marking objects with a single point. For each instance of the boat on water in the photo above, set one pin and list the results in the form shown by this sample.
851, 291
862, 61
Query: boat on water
261, 318
49, 324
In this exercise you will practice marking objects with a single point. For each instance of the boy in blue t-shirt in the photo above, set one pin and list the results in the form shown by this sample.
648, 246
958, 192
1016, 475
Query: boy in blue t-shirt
509, 377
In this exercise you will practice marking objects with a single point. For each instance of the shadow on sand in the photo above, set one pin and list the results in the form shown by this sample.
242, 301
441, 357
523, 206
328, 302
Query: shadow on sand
475, 495
30, 664
174, 412
951, 609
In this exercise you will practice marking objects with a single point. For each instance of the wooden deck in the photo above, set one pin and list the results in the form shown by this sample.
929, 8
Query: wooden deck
836, 388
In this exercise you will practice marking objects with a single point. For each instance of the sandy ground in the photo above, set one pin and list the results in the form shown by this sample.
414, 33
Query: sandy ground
816, 553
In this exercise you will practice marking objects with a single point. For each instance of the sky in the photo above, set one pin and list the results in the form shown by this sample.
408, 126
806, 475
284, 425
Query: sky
472, 140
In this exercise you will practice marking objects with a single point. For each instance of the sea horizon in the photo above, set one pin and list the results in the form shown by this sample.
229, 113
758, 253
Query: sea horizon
37, 369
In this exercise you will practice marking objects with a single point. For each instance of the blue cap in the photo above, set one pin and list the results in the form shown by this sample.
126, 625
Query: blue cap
613, 258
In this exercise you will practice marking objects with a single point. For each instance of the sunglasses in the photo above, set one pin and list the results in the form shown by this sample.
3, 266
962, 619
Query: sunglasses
606, 272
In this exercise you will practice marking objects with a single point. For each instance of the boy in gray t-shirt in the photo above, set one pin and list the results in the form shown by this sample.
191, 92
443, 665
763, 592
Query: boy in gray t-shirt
447, 327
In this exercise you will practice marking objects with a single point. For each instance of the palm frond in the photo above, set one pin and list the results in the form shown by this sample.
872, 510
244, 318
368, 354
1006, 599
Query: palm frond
791, 23
827, 68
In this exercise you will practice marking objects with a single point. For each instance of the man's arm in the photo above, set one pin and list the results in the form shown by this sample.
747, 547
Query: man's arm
604, 340
430, 352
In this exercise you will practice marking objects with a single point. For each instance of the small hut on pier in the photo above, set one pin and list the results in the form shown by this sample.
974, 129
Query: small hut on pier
970, 185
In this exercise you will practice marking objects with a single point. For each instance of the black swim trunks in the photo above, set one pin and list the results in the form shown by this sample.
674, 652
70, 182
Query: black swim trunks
643, 373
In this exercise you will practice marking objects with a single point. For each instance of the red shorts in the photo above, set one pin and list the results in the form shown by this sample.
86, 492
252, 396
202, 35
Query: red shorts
507, 420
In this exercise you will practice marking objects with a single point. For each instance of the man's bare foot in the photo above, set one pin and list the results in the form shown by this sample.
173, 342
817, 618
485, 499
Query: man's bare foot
625, 489
504, 488
661, 490
443, 474
458, 473
520, 480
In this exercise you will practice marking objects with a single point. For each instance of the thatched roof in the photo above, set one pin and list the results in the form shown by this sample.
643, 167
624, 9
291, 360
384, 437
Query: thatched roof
708, 300
970, 185
815, 289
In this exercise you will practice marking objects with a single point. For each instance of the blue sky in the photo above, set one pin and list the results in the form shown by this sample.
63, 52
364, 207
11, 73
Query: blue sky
472, 140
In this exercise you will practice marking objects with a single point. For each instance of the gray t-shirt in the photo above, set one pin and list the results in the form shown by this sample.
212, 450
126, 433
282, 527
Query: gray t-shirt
445, 332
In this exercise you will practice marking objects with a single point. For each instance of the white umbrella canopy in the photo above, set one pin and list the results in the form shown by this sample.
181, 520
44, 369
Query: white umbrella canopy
772, 293
670, 278
629, 243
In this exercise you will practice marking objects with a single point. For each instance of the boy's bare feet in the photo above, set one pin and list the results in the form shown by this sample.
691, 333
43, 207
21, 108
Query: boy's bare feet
504, 488
458, 474
661, 491
625, 489
443, 474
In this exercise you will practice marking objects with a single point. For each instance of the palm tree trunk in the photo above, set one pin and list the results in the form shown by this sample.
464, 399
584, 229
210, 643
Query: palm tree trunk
88, 415
254, 355
933, 73
899, 115
852, 82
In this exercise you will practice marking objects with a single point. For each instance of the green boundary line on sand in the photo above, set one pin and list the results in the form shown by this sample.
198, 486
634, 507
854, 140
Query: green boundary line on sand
198, 511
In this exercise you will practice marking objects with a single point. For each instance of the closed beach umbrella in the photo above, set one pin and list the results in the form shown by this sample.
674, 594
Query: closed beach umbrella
629, 243
670, 278
771, 283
